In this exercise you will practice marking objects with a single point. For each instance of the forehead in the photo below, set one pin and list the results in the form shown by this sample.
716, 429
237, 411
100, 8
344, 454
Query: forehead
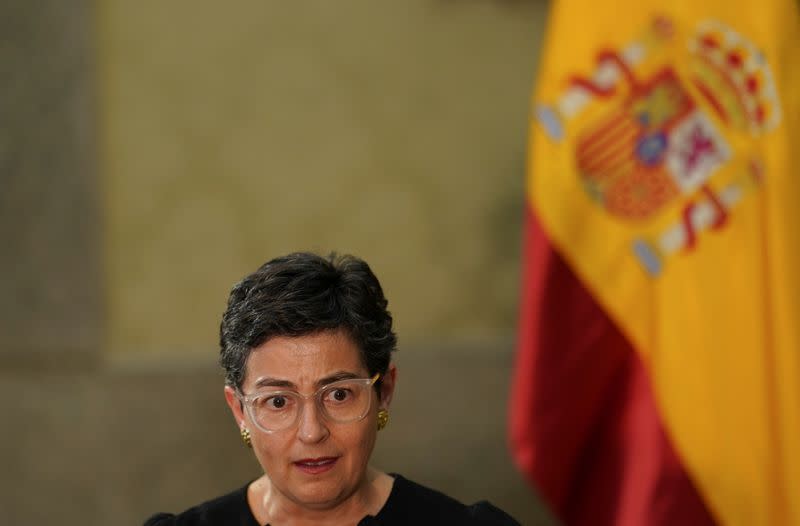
303, 360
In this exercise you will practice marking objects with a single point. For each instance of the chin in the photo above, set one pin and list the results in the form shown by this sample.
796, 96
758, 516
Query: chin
319, 494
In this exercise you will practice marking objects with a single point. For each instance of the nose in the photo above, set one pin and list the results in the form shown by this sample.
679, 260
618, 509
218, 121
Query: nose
312, 428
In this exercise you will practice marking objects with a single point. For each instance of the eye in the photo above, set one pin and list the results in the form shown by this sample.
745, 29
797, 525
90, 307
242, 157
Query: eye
339, 394
276, 402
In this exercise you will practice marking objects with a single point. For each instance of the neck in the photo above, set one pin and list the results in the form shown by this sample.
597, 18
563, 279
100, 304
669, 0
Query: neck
272, 507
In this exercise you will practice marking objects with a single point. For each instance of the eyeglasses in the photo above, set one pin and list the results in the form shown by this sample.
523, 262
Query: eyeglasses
341, 402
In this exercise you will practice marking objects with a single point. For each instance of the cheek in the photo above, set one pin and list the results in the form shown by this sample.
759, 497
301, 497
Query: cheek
268, 451
361, 441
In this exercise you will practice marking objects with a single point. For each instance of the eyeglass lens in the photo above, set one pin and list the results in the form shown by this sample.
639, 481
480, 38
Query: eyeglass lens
343, 401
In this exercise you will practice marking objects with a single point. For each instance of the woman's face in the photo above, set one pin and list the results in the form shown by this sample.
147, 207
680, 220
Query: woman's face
315, 463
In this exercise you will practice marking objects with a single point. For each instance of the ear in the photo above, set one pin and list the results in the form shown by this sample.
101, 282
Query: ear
388, 382
236, 406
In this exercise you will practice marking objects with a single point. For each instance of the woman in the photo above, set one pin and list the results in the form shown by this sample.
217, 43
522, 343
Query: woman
306, 346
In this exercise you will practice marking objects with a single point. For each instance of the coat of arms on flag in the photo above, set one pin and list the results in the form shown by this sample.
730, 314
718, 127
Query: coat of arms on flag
658, 138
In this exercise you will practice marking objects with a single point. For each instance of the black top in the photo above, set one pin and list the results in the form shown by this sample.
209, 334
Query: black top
408, 503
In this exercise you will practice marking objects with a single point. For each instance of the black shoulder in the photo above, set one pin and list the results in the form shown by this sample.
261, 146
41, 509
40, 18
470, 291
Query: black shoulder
230, 509
161, 519
486, 513
418, 504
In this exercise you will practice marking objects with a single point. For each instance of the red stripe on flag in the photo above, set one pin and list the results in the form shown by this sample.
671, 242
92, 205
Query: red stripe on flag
584, 427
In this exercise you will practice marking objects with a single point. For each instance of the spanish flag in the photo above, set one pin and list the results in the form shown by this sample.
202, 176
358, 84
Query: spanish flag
657, 378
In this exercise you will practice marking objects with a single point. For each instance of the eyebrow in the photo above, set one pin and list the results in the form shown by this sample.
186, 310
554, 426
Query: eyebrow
277, 382
274, 382
335, 377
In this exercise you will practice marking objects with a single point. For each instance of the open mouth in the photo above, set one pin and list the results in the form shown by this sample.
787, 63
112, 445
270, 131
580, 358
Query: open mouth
314, 466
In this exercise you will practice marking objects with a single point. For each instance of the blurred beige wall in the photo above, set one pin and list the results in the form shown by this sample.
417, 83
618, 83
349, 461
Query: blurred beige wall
154, 152
391, 130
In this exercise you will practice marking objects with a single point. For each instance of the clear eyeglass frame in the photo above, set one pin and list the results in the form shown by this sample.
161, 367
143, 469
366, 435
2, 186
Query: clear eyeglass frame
249, 400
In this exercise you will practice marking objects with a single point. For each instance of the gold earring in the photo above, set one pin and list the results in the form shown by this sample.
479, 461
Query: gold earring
383, 418
246, 437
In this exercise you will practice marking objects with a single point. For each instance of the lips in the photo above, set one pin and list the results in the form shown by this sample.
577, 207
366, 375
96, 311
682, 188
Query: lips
315, 466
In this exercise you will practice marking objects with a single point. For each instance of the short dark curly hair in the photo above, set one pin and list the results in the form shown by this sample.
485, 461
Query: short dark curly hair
304, 293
